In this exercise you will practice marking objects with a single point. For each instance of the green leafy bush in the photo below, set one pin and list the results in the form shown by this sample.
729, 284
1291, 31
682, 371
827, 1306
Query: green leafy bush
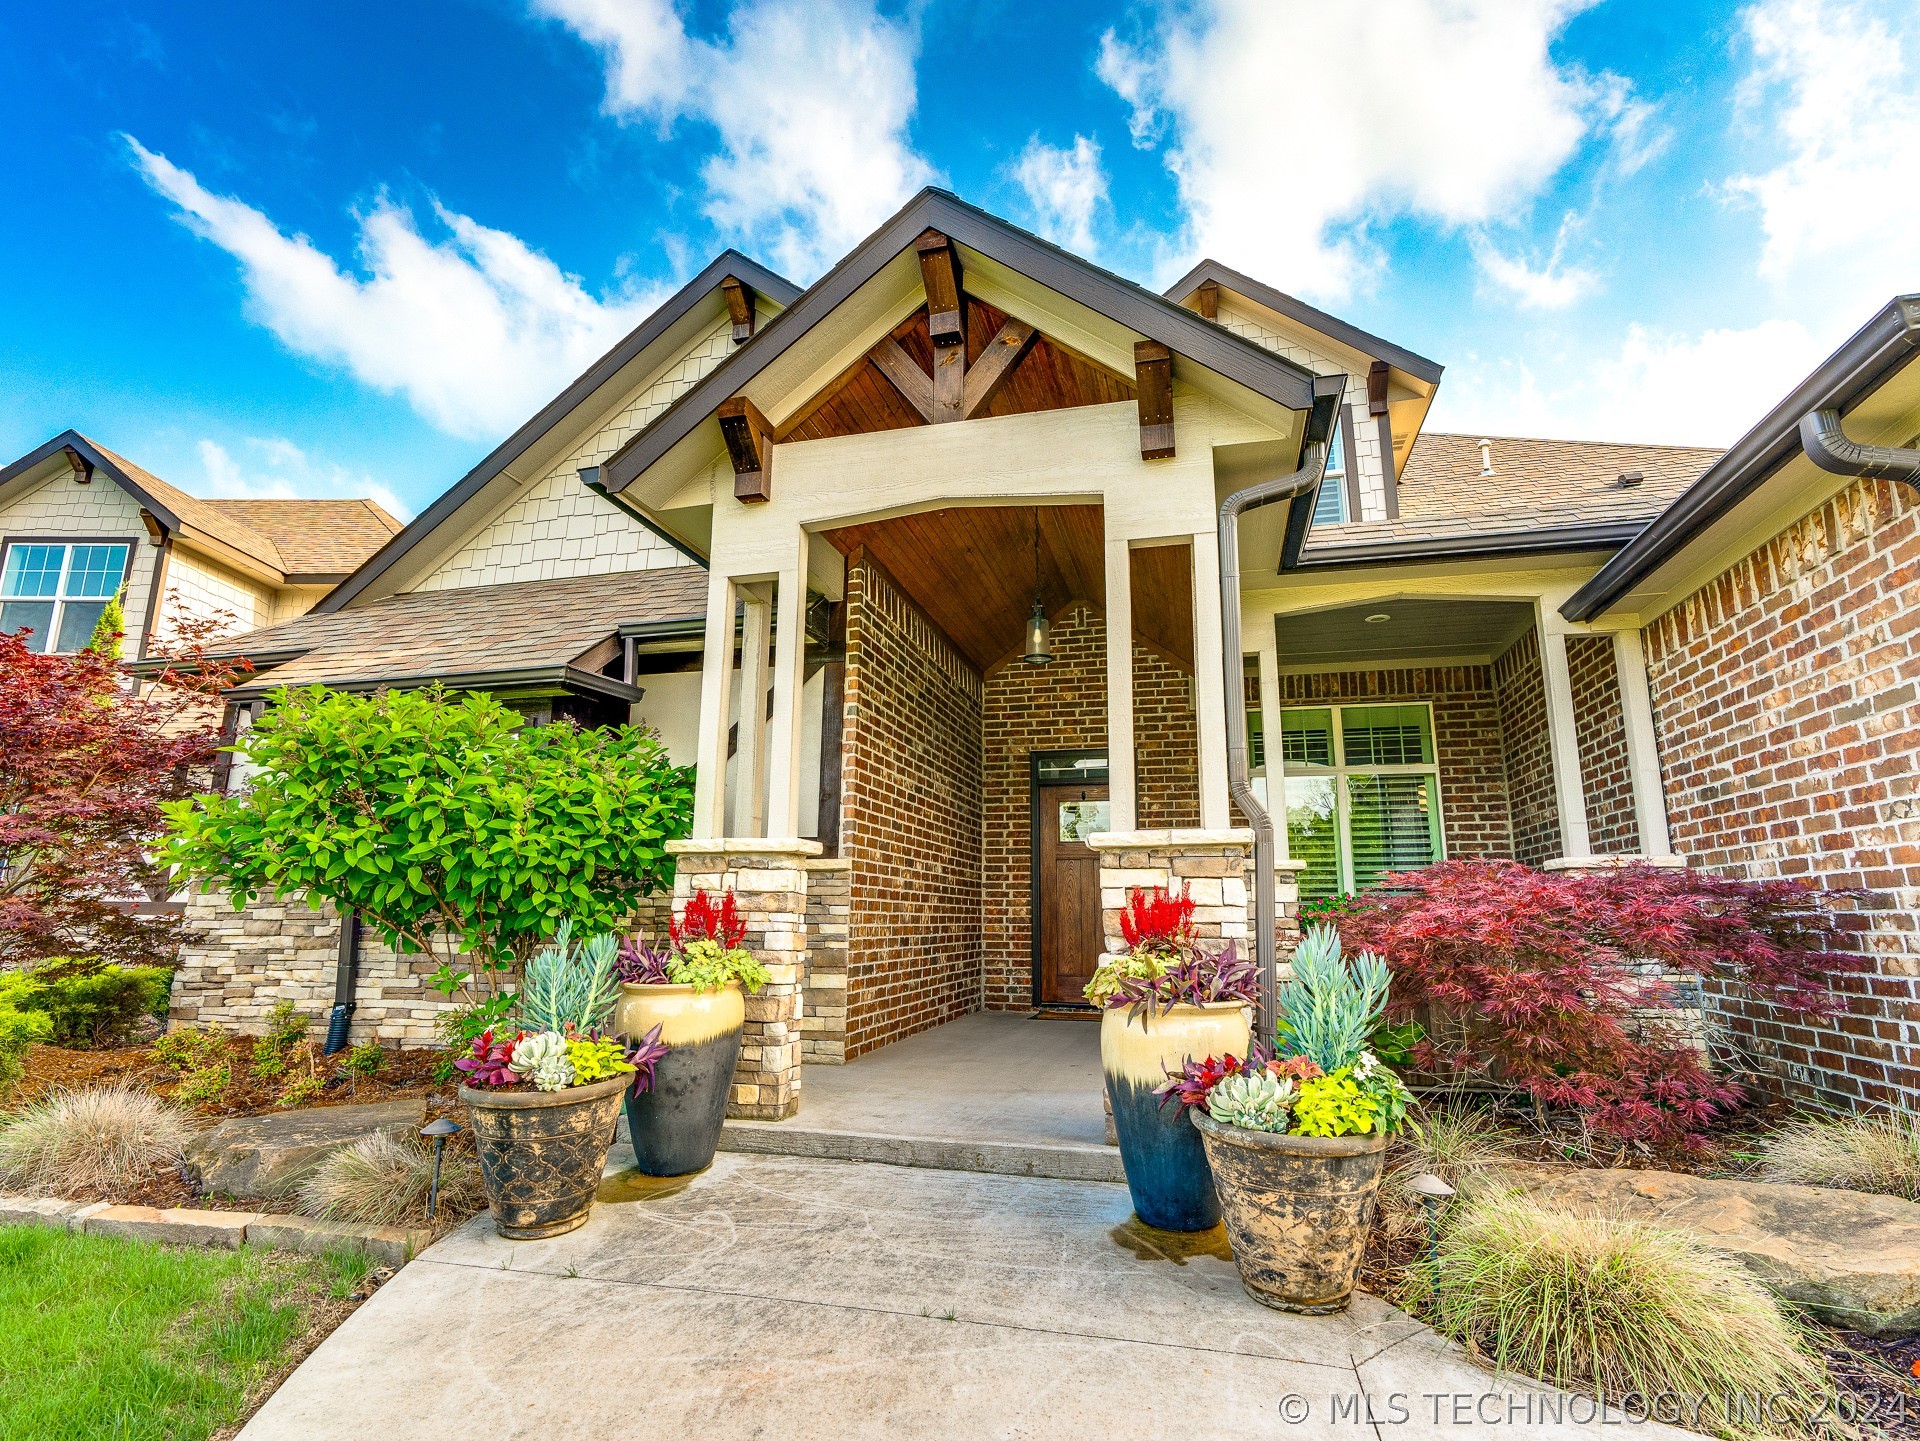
88, 1002
286, 1029
201, 1056
364, 1060
18, 1030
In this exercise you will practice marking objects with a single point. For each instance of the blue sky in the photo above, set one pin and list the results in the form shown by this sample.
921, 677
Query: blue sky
345, 248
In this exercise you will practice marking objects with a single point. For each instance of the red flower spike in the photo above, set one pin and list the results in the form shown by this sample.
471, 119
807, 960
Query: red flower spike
705, 921
1158, 920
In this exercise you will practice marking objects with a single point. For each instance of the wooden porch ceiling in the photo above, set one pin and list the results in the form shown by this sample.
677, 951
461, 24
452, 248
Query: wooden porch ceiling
971, 569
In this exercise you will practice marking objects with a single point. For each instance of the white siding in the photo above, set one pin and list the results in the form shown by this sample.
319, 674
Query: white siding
199, 587
63, 510
1366, 434
556, 526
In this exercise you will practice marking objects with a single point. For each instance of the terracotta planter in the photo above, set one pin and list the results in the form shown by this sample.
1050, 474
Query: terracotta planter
1297, 1209
1166, 1163
675, 1125
542, 1153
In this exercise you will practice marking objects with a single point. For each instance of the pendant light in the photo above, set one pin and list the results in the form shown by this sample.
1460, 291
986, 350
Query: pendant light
1039, 649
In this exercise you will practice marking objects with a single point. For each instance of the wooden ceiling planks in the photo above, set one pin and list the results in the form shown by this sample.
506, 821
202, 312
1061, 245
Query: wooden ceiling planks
1048, 377
971, 569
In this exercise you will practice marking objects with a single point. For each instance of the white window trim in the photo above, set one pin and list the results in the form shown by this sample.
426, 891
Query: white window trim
1340, 770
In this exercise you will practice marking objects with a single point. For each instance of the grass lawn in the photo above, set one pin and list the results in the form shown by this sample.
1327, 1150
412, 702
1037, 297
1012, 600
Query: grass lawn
104, 1338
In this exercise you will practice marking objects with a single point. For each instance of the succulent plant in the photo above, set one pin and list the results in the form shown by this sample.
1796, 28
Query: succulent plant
1252, 1100
542, 1059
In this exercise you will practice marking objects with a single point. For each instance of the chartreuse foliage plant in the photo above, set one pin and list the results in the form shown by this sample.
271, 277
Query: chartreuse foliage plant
453, 829
87, 1002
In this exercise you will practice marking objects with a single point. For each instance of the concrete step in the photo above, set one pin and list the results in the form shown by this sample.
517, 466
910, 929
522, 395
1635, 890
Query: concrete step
1056, 1160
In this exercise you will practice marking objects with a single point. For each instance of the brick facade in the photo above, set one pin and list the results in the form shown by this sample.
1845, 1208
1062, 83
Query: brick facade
1522, 693
1601, 725
1785, 694
910, 817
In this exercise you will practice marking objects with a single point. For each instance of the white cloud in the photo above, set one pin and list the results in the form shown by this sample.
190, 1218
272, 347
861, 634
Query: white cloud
1065, 186
1551, 285
1841, 207
1294, 123
281, 470
475, 330
811, 102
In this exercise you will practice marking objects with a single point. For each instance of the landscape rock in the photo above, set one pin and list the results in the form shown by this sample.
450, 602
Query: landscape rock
37, 1211
224, 1230
1848, 1257
391, 1245
272, 1155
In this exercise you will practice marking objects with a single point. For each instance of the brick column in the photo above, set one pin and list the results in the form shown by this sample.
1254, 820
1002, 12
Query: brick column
769, 881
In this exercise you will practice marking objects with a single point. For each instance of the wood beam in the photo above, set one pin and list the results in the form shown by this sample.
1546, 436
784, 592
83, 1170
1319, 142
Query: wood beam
1208, 297
940, 274
82, 467
1377, 388
742, 308
995, 364
750, 446
913, 383
1153, 381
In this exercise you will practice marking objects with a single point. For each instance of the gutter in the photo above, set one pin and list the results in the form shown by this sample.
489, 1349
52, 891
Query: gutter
1879, 349
1825, 441
1302, 482
1601, 535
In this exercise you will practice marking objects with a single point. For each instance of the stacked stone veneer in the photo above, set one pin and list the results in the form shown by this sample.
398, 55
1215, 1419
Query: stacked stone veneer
769, 881
823, 1017
1786, 694
1212, 868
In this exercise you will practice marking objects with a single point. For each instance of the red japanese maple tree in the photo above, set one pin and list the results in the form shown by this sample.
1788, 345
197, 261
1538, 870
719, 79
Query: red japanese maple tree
1531, 977
84, 766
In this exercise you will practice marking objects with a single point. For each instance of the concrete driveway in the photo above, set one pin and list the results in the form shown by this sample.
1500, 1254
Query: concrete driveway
788, 1297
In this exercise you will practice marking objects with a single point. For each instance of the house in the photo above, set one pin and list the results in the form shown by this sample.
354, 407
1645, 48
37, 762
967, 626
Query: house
80, 525
924, 568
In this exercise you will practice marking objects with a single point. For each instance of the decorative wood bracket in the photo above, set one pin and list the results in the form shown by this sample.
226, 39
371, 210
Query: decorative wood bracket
1153, 380
1208, 297
913, 383
940, 275
750, 446
1377, 388
996, 363
741, 308
82, 467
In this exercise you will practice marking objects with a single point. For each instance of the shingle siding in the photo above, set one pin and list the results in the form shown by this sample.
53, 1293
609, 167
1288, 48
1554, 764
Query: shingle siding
62, 510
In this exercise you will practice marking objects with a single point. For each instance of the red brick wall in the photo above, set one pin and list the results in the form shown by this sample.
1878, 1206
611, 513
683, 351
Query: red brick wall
1612, 827
910, 818
1785, 694
1522, 693
1466, 741
1063, 706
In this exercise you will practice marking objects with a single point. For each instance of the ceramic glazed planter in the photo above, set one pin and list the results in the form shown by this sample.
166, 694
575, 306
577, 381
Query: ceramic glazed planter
1297, 1210
542, 1153
675, 1125
1165, 1161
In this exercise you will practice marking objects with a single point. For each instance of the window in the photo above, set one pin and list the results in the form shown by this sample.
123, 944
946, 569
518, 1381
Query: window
1362, 794
1331, 506
58, 591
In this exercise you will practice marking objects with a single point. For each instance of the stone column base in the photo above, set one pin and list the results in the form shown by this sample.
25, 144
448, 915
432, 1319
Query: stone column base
1210, 866
769, 882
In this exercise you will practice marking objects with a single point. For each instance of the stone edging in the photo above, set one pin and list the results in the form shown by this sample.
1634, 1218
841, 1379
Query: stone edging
218, 1230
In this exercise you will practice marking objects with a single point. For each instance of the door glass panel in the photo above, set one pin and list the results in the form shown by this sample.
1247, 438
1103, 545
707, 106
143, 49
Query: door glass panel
1387, 735
1313, 834
1306, 737
1087, 771
1391, 821
1080, 819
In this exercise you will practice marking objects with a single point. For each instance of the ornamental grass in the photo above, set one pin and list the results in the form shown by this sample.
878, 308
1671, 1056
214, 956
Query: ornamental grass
1876, 1152
383, 1180
78, 1144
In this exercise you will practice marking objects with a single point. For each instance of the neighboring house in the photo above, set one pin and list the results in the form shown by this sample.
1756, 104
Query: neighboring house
80, 524
949, 520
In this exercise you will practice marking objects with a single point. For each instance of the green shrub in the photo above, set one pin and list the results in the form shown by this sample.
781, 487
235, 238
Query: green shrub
286, 1029
80, 1143
201, 1056
364, 1060
18, 1030
1878, 1152
1623, 1310
89, 1002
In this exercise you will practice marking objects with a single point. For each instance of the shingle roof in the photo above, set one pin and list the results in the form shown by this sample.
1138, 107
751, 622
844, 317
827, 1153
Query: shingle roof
1536, 485
521, 626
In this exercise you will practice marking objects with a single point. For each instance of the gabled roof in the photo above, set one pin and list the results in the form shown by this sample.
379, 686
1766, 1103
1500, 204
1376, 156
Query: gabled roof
729, 263
1119, 300
1295, 309
284, 542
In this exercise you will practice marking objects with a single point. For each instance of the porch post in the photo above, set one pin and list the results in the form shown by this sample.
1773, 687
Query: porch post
750, 772
716, 688
1120, 773
1563, 741
1210, 700
789, 675
1643, 752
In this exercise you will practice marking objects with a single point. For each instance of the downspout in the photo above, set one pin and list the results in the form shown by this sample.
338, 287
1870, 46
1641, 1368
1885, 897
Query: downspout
1825, 441
346, 980
1239, 775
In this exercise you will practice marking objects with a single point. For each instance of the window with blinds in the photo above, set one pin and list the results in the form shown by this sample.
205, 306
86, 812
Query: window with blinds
1330, 505
1362, 794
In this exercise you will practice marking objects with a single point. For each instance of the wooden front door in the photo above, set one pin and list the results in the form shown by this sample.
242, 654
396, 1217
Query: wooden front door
1066, 891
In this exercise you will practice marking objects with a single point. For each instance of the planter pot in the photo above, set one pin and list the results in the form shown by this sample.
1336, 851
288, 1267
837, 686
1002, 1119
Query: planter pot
1165, 1161
675, 1125
1297, 1210
542, 1153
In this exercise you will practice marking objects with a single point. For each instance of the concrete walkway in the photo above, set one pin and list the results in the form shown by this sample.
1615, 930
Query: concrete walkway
995, 1091
795, 1298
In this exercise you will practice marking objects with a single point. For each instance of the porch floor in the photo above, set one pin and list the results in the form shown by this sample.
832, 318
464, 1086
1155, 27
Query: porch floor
997, 1091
